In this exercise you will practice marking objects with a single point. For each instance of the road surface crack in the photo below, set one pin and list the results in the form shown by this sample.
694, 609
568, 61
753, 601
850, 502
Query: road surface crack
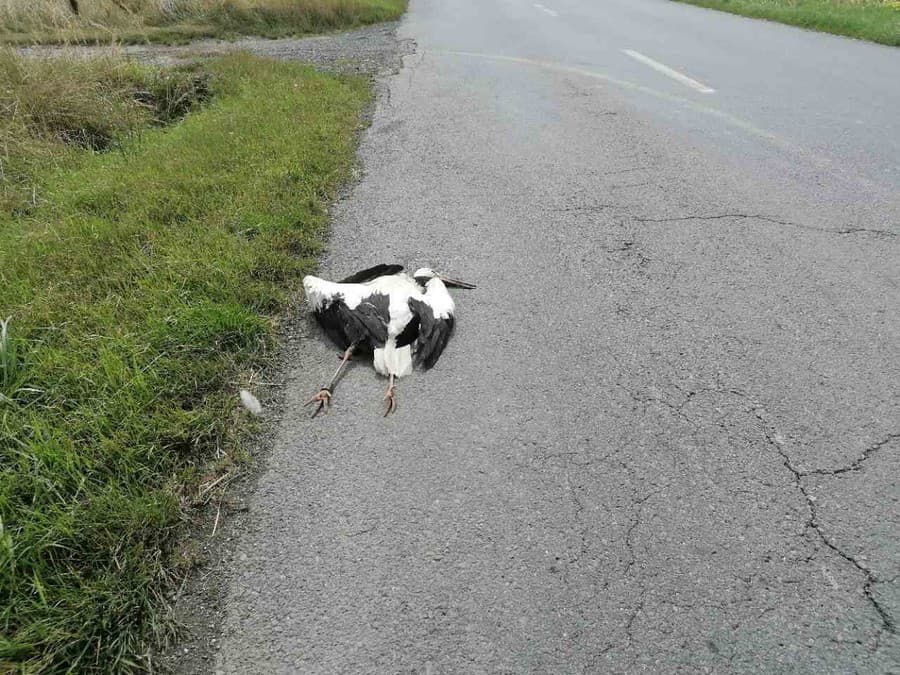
774, 221
621, 171
887, 621
637, 504
857, 464
857, 230
584, 209
638, 608
677, 409
577, 517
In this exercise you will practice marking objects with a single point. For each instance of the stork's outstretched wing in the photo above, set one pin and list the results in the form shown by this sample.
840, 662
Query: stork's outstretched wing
433, 332
372, 273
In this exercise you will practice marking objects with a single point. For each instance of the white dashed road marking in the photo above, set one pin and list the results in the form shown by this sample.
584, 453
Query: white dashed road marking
674, 74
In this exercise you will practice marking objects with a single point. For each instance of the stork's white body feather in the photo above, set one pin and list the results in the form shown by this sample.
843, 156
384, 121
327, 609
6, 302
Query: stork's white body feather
320, 291
394, 360
394, 284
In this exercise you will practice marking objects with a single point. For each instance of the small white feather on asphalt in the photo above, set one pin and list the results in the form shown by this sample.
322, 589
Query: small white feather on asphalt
250, 402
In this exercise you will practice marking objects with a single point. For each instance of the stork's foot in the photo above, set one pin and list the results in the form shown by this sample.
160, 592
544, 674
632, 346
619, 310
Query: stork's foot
323, 398
391, 401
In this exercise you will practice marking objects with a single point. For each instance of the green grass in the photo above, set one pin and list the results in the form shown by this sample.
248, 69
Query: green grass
143, 283
875, 20
179, 21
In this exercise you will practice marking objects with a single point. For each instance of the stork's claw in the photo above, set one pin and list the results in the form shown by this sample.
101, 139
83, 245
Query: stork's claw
323, 398
392, 403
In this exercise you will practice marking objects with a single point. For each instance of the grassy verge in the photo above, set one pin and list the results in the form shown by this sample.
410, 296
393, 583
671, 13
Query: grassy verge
143, 282
174, 21
875, 20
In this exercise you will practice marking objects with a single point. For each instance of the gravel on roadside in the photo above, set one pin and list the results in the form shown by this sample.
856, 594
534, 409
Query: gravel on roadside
372, 51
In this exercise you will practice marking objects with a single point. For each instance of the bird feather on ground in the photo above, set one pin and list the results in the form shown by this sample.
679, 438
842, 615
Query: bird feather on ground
250, 402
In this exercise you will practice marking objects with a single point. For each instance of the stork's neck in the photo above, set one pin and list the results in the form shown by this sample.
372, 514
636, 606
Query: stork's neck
438, 297
435, 286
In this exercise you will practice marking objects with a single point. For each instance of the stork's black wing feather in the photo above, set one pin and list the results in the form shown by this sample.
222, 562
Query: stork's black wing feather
434, 333
372, 273
366, 325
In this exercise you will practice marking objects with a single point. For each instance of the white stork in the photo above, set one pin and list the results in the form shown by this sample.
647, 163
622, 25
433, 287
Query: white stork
397, 317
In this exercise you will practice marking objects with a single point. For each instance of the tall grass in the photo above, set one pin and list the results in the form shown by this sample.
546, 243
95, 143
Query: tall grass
142, 282
875, 20
50, 109
174, 20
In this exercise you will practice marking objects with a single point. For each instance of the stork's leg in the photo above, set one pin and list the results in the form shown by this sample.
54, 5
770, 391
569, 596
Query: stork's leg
389, 397
323, 398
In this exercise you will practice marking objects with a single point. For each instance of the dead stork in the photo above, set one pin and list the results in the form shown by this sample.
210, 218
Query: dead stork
397, 317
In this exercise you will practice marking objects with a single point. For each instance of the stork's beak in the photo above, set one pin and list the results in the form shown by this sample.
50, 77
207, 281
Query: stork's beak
455, 283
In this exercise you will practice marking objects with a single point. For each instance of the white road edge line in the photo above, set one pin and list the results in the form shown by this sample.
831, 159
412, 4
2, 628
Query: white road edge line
674, 74
545, 9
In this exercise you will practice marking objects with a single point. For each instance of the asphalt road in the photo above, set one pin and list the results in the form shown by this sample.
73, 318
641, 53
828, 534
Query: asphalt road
666, 437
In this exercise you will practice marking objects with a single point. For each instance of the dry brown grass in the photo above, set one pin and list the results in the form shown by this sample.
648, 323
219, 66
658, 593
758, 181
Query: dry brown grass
173, 20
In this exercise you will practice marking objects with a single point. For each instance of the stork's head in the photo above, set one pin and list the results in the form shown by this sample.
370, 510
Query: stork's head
425, 274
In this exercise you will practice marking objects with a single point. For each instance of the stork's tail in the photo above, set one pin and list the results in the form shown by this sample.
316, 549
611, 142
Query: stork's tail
393, 360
